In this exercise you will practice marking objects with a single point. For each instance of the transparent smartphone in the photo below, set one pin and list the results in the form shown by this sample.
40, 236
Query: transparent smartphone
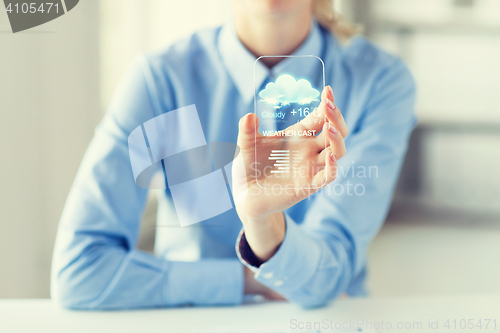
289, 122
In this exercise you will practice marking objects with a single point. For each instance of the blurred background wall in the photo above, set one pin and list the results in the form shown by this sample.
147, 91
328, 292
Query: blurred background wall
443, 231
49, 105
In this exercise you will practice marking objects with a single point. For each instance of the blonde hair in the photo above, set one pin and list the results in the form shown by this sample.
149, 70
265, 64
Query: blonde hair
325, 14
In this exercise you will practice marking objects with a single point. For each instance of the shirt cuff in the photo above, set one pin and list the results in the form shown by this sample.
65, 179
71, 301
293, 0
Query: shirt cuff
206, 282
290, 267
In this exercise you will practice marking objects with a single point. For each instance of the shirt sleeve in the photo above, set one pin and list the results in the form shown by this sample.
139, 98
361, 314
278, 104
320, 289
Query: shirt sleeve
96, 264
324, 252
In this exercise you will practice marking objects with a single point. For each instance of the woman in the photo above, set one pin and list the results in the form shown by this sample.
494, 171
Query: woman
305, 251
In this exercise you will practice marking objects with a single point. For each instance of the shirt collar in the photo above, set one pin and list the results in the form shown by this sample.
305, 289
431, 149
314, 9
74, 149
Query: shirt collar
239, 62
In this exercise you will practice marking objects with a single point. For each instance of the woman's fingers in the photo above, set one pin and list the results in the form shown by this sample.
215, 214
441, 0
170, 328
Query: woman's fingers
337, 143
329, 173
333, 114
330, 137
321, 139
321, 158
326, 109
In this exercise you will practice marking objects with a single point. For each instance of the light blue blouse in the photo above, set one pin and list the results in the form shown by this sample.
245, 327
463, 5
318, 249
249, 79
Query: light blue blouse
96, 264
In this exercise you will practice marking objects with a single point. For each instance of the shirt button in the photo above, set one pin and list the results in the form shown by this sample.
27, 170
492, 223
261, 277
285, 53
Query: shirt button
268, 275
278, 283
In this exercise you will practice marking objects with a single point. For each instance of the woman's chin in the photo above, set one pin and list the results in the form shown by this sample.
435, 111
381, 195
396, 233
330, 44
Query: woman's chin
274, 8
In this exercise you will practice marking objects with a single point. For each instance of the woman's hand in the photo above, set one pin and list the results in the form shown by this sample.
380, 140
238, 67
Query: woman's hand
260, 209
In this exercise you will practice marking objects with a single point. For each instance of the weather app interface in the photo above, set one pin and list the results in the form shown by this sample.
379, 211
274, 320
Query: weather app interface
289, 121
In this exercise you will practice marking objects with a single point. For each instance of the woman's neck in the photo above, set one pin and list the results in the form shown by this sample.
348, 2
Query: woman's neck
272, 35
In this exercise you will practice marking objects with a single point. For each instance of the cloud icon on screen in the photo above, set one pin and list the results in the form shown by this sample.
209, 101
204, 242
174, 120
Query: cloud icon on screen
286, 91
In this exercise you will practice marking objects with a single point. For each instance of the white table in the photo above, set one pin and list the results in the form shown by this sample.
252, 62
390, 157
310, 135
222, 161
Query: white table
45, 316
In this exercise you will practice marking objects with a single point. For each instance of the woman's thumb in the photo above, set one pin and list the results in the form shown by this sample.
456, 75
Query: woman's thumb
248, 129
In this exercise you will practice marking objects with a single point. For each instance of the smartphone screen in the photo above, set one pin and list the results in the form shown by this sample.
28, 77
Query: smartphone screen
286, 104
